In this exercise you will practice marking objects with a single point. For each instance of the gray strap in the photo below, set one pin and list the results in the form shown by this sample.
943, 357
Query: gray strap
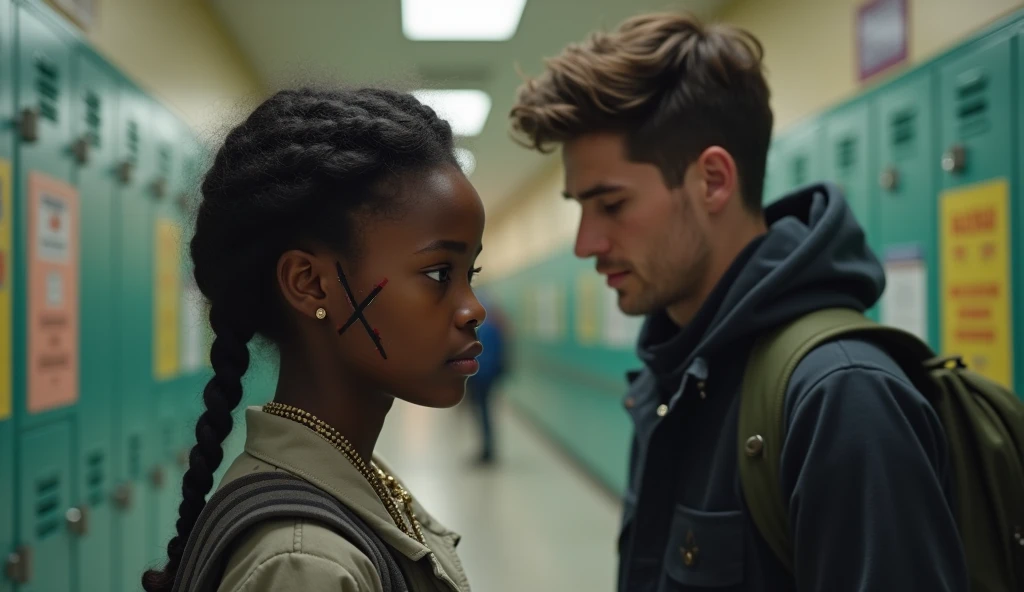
258, 497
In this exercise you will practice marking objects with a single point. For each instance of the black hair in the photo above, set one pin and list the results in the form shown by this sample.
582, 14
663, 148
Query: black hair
297, 170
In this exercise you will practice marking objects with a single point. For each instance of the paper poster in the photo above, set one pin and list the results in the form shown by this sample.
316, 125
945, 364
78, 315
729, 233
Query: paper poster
905, 300
167, 294
588, 308
620, 330
6, 290
53, 294
193, 322
976, 317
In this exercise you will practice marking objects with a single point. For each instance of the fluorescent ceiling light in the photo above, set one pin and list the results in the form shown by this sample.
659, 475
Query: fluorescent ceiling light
465, 110
466, 160
461, 20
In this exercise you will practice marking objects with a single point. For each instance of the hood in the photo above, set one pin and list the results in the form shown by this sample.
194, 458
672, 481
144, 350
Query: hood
814, 255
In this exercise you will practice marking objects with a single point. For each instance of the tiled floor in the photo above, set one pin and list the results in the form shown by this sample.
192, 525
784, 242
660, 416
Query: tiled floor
530, 523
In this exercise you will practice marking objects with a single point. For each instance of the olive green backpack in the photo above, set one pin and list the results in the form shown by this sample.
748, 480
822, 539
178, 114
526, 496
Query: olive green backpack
983, 421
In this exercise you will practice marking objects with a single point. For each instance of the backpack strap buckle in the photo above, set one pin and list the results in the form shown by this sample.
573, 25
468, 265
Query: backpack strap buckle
950, 362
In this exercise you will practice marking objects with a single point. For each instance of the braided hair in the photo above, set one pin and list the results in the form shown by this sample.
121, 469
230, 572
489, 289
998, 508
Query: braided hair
297, 169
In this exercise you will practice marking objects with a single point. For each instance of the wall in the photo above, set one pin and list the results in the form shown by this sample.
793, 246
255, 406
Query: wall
811, 61
177, 51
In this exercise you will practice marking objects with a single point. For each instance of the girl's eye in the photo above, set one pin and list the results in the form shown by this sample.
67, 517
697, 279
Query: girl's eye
473, 273
441, 276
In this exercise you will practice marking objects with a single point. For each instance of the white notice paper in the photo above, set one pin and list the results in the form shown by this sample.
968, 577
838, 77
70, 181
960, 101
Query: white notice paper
905, 301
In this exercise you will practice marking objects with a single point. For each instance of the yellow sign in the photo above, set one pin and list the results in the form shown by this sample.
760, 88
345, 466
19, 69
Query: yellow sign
587, 308
975, 294
6, 279
167, 298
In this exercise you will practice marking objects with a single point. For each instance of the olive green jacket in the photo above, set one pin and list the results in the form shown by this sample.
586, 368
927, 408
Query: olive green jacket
301, 556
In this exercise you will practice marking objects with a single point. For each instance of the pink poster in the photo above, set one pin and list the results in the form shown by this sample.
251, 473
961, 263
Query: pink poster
53, 294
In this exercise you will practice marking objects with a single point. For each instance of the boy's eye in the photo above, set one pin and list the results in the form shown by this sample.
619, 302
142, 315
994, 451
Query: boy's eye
442, 276
614, 207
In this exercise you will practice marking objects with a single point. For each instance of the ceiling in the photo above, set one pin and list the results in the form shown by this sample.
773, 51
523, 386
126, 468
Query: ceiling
361, 41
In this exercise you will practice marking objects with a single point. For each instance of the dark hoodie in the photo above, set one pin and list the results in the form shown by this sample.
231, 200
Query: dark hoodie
864, 466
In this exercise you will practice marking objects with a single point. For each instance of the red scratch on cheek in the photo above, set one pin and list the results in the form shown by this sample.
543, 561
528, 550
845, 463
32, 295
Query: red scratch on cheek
383, 283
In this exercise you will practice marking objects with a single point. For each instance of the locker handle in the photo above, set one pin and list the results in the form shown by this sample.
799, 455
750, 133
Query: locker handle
78, 520
19, 565
159, 187
81, 150
158, 477
183, 457
123, 496
955, 159
28, 124
124, 171
890, 178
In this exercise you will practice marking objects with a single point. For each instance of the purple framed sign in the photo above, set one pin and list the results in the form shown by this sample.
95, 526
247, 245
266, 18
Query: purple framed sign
882, 32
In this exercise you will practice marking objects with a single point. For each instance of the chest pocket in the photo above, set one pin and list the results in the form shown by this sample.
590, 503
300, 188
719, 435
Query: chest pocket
705, 550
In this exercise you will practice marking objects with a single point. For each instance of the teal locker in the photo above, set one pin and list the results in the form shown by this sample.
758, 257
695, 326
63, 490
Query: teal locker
904, 138
802, 161
773, 175
976, 137
136, 401
168, 145
45, 497
44, 126
846, 163
94, 122
7, 428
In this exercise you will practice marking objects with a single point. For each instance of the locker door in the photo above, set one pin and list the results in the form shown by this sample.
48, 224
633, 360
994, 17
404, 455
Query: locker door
772, 182
903, 137
45, 496
7, 287
167, 264
136, 401
802, 160
44, 99
975, 90
95, 112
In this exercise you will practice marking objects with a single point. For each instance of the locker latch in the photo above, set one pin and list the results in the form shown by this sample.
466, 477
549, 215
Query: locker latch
159, 187
19, 565
78, 520
890, 178
81, 150
183, 458
123, 496
158, 476
28, 124
124, 171
955, 159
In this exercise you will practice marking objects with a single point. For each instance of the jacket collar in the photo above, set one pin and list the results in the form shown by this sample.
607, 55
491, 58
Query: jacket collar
297, 449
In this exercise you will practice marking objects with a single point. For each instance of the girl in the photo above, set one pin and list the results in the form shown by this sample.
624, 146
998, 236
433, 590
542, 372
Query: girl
338, 226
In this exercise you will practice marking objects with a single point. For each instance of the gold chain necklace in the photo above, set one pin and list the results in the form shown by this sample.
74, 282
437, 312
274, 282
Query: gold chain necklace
388, 489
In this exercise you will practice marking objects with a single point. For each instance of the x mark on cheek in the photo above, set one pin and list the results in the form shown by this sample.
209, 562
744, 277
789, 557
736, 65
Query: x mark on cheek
357, 312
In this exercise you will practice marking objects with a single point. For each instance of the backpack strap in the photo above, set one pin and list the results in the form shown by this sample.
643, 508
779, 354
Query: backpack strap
258, 497
762, 421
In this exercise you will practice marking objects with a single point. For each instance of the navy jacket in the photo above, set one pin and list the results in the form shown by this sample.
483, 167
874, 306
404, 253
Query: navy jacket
865, 465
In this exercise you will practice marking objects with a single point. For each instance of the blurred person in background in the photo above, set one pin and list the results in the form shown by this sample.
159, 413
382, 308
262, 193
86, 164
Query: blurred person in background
664, 126
494, 335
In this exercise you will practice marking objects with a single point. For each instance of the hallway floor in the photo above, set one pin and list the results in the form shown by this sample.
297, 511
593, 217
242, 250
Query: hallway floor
530, 522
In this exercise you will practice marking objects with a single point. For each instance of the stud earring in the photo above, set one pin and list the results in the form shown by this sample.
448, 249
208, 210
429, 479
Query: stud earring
321, 313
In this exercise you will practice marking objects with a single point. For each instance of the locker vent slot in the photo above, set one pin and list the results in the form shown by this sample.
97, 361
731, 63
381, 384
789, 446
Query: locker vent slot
95, 479
800, 170
846, 153
972, 104
133, 142
135, 457
164, 164
903, 127
48, 505
48, 87
92, 117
